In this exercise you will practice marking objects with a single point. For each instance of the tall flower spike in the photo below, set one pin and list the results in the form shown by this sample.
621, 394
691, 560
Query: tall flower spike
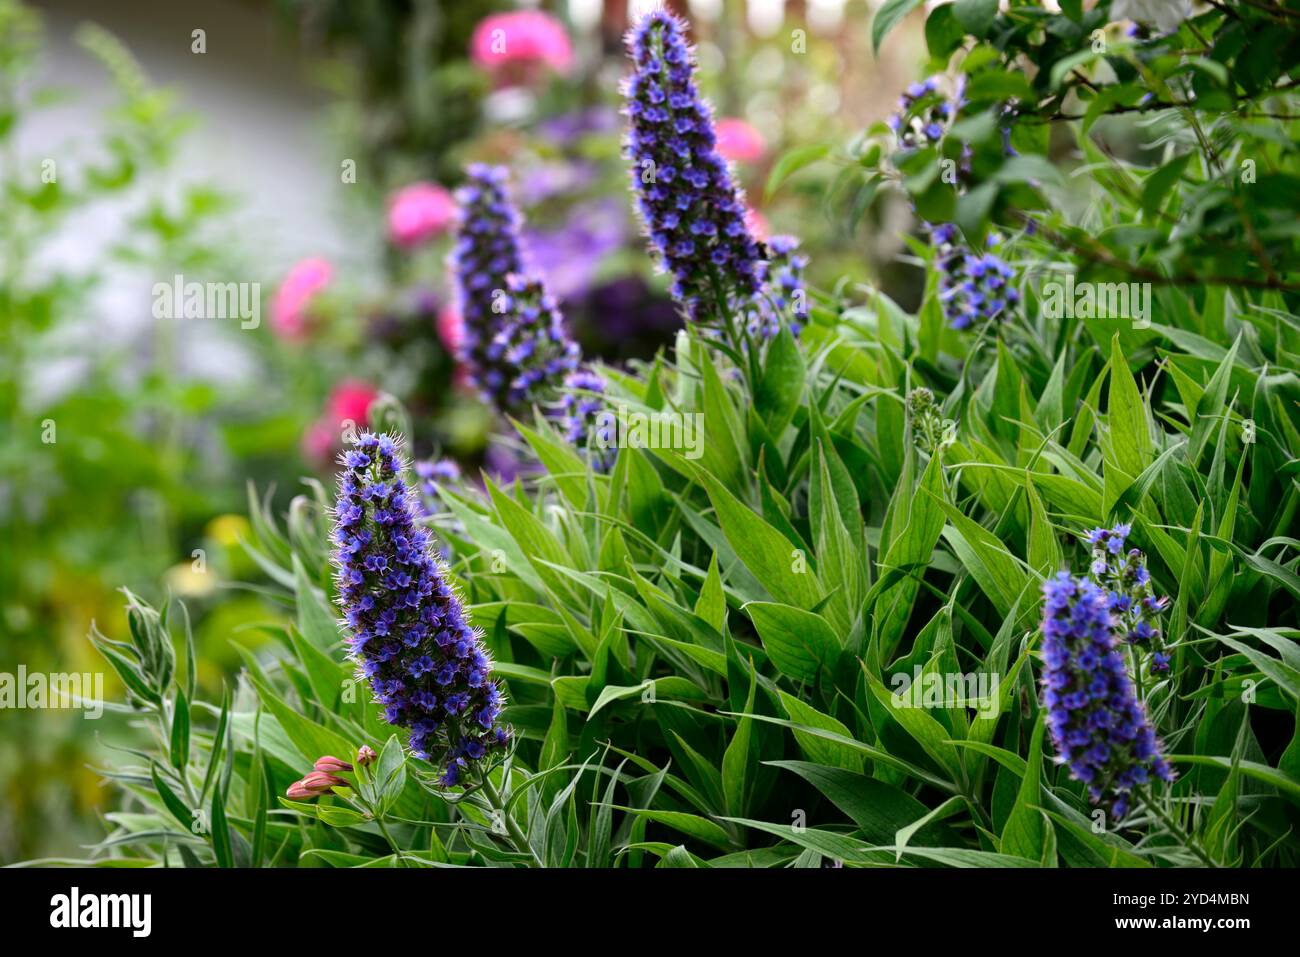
531, 352
405, 626
518, 349
1099, 728
693, 212
487, 250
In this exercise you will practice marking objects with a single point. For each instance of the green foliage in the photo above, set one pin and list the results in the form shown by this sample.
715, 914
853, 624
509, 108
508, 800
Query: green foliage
703, 654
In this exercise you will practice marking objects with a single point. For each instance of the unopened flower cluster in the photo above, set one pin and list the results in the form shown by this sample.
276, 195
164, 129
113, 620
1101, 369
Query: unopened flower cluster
929, 428
1123, 574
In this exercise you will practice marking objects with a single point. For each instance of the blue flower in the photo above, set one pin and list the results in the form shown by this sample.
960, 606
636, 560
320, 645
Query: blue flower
1099, 728
973, 287
1123, 574
693, 211
782, 298
531, 352
924, 115
487, 250
394, 595
578, 411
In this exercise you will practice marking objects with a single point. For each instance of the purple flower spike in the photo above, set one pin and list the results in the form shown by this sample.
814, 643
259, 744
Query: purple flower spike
406, 628
694, 213
1099, 728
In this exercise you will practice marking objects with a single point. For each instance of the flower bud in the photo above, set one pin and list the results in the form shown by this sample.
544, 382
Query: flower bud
321, 782
366, 756
330, 763
298, 792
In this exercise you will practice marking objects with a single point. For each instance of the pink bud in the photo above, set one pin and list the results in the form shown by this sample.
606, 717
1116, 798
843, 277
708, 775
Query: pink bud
321, 782
297, 792
366, 755
331, 763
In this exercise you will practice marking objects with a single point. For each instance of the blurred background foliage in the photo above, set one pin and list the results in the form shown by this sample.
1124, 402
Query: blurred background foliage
120, 465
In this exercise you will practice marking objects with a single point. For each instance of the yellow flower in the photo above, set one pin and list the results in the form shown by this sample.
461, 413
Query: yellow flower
192, 579
228, 530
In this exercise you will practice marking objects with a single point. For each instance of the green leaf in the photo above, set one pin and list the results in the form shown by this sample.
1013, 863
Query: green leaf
819, 750
799, 642
1024, 834
220, 830
316, 620
924, 729
943, 34
180, 738
1159, 183
764, 551
692, 825
887, 17
390, 772
679, 856
976, 16
1129, 427
711, 606
878, 808
738, 758
794, 160
781, 387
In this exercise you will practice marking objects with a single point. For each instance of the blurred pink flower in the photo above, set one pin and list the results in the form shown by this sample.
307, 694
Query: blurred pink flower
318, 443
739, 141
419, 212
757, 224
349, 402
451, 329
289, 305
523, 37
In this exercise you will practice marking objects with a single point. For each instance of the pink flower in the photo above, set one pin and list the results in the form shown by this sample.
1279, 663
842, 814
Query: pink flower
419, 212
291, 302
318, 443
349, 402
757, 224
739, 141
523, 37
451, 329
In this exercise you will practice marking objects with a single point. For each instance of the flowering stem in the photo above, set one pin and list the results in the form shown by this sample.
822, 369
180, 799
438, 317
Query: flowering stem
517, 837
383, 829
1188, 841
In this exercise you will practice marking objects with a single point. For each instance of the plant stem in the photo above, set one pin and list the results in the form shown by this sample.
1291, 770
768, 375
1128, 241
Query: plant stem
517, 836
1149, 803
383, 829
